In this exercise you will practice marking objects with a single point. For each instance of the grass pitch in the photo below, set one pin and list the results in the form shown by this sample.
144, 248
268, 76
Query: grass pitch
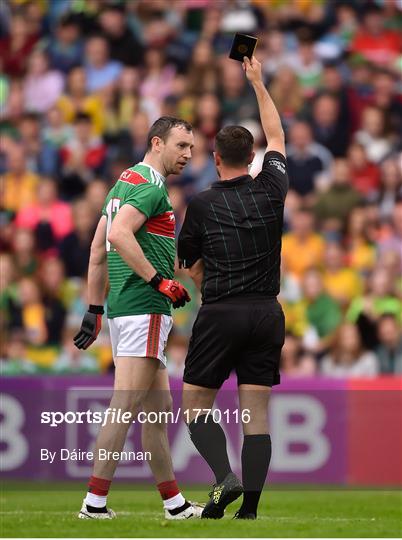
51, 511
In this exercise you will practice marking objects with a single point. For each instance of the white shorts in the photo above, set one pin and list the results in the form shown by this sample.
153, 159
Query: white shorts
140, 335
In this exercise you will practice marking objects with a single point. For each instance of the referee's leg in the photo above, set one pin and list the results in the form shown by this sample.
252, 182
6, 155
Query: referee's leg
207, 436
256, 451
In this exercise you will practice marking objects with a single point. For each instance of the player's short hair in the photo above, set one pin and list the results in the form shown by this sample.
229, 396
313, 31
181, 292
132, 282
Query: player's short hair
234, 144
162, 127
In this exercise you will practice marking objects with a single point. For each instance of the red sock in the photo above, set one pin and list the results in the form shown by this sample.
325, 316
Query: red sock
99, 486
168, 489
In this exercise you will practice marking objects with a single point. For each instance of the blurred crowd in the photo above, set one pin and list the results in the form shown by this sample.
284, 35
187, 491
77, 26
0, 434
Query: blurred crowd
81, 83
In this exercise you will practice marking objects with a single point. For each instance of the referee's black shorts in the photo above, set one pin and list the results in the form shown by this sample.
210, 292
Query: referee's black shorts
245, 335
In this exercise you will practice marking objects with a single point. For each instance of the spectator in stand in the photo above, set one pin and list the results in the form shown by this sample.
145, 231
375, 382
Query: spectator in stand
10, 307
377, 44
33, 312
157, 83
294, 361
333, 83
306, 159
123, 44
120, 104
208, 117
17, 46
49, 218
387, 98
380, 298
393, 241
389, 350
75, 247
76, 100
55, 297
302, 248
99, 69
372, 135
327, 125
336, 204
276, 55
42, 85
41, 155
95, 195
55, 132
361, 252
390, 188
347, 357
365, 175
315, 317
24, 252
203, 69
236, 104
19, 184
306, 63
340, 281
65, 48
83, 158
132, 145
286, 93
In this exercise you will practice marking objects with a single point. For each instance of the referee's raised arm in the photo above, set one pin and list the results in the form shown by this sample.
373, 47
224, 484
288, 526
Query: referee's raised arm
270, 119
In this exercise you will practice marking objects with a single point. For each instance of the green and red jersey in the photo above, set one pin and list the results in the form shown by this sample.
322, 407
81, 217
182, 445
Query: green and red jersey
145, 189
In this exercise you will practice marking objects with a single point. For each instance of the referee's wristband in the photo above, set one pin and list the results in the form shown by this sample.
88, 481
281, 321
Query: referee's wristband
98, 310
155, 281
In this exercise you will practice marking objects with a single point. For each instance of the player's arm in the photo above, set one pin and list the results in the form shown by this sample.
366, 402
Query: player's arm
126, 223
97, 282
270, 119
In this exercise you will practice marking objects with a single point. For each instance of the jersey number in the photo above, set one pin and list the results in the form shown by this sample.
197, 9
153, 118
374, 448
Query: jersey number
111, 210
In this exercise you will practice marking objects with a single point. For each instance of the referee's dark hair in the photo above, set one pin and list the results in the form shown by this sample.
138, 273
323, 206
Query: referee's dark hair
234, 144
161, 128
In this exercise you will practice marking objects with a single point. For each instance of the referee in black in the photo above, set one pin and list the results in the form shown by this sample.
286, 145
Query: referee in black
231, 243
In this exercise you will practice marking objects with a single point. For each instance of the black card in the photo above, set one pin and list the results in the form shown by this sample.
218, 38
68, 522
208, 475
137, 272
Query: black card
242, 46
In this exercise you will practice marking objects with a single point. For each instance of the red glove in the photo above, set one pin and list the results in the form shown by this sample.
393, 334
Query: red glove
170, 288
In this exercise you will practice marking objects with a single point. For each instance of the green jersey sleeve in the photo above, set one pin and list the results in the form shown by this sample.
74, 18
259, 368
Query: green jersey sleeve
147, 198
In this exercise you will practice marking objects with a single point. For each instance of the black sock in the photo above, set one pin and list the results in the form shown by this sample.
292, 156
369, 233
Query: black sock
255, 458
210, 440
96, 510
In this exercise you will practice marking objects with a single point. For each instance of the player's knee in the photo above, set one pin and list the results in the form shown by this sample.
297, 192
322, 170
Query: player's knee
127, 401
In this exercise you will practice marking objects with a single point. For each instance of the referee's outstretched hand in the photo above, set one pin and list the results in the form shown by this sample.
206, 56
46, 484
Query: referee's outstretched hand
172, 289
253, 69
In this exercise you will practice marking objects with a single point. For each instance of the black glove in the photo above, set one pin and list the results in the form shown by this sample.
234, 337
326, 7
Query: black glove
90, 327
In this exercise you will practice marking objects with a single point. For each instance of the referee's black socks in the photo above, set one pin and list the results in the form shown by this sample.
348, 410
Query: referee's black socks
210, 440
255, 458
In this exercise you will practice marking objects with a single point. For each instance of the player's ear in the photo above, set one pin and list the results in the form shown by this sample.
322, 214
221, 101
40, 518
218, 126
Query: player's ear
217, 159
251, 158
156, 143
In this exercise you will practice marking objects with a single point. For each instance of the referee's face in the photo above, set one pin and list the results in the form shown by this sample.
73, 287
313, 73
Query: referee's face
176, 150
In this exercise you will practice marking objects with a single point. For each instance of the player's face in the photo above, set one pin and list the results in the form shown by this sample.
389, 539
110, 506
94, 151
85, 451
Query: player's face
176, 152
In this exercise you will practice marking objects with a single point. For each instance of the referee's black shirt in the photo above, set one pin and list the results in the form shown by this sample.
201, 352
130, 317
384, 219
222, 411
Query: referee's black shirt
235, 227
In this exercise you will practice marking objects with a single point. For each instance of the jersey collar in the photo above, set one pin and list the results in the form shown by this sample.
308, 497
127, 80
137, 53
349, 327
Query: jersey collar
158, 175
238, 181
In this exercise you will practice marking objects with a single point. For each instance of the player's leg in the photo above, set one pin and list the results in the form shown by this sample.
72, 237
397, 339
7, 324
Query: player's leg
256, 451
134, 340
257, 372
155, 440
133, 378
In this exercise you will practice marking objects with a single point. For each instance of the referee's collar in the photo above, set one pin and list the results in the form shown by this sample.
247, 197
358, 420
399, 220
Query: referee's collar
234, 182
